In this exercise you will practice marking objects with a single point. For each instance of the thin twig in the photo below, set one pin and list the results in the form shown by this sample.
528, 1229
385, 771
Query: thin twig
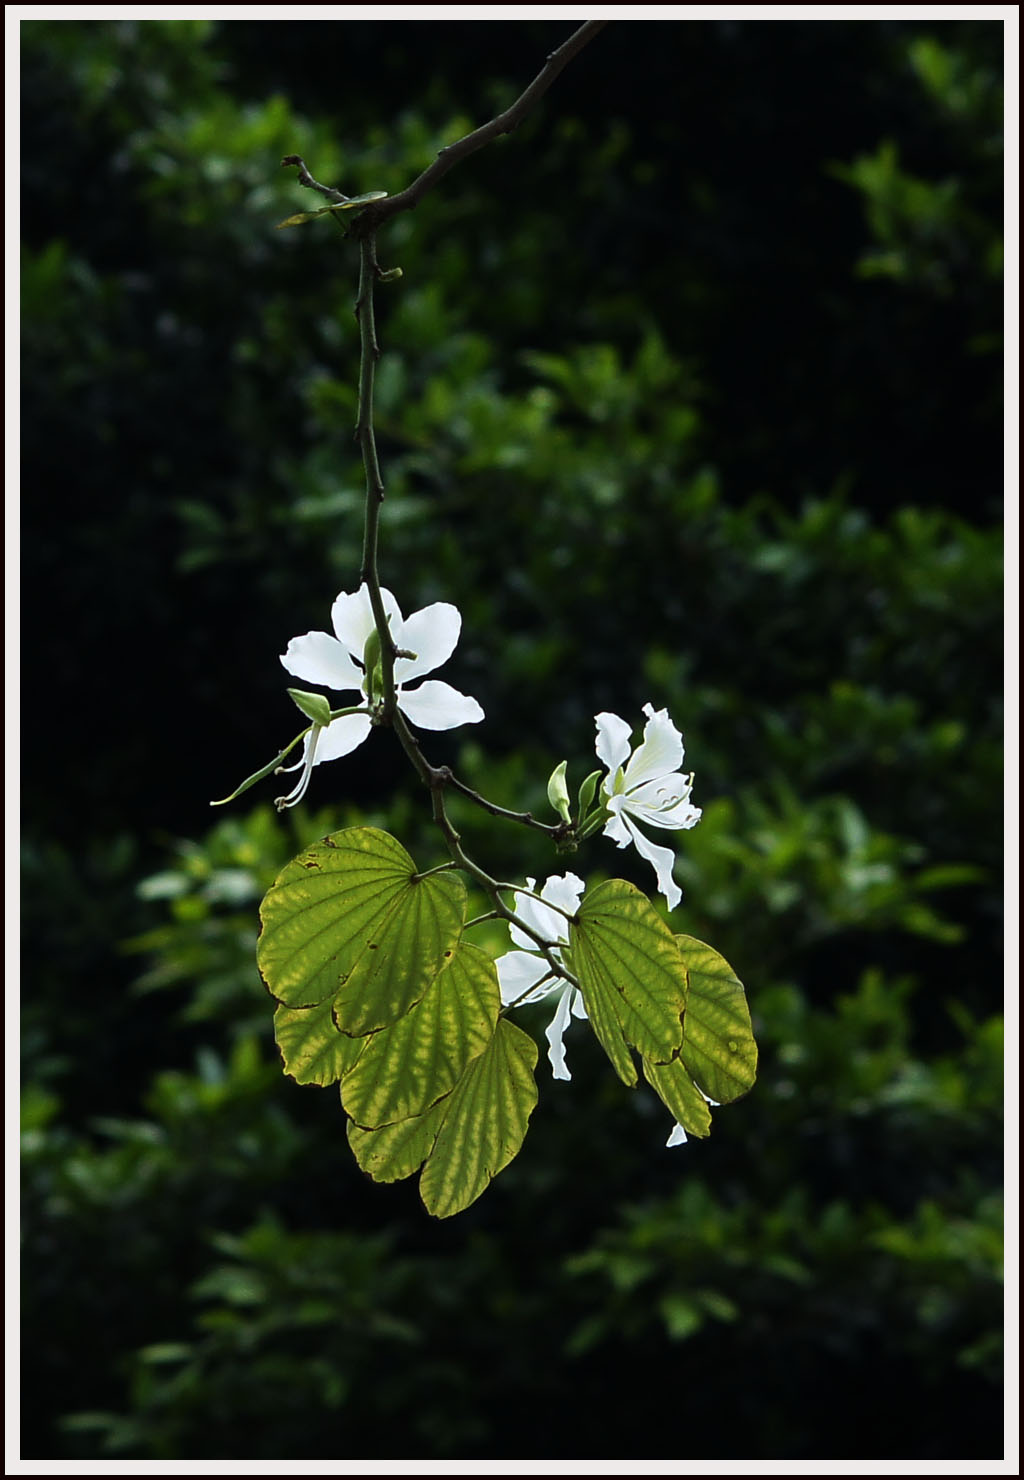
505, 123
380, 211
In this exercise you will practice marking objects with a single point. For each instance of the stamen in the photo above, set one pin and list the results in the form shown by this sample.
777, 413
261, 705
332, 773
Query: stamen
307, 764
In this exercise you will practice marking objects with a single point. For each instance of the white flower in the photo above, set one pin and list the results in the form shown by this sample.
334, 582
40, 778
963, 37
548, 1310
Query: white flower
646, 786
525, 975
337, 662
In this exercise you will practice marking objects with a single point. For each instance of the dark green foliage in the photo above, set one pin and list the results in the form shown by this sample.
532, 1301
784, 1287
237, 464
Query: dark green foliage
690, 394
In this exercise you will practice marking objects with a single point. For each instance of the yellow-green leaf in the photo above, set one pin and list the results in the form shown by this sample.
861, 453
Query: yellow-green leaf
348, 920
468, 1137
631, 974
396, 1151
485, 1122
313, 1048
680, 1095
718, 1043
404, 1069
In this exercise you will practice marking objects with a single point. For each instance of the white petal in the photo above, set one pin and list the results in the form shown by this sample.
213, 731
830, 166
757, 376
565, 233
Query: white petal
615, 828
432, 634
678, 1136
437, 706
353, 618
319, 658
664, 803
517, 972
662, 859
566, 891
342, 736
553, 1033
612, 741
660, 753
579, 1009
562, 890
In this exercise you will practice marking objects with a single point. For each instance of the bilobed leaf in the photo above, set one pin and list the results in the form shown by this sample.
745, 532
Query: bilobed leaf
631, 974
404, 1069
396, 1151
349, 921
680, 1095
718, 1044
467, 1138
313, 1049
485, 1122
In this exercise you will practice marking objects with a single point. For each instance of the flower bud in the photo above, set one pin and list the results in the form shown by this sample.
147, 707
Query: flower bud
313, 706
558, 792
372, 664
587, 791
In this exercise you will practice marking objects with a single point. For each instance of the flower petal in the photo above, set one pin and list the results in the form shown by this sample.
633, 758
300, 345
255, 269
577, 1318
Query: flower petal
563, 890
554, 1032
678, 1136
437, 706
319, 658
579, 1007
615, 828
432, 634
612, 744
662, 860
517, 972
566, 891
664, 802
342, 736
659, 754
353, 618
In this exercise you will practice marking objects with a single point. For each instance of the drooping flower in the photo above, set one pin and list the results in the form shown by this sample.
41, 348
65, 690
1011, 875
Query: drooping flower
427, 639
525, 975
646, 787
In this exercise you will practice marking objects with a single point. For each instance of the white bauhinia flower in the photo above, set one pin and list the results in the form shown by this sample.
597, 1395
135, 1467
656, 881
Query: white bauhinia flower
525, 975
646, 787
427, 639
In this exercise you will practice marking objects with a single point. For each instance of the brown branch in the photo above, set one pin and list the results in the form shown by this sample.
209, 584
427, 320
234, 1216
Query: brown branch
505, 123
374, 215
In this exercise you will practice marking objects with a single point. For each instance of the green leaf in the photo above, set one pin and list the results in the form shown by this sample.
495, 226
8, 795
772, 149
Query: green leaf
680, 1095
349, 920
467, 1138
408, 1067
395, 1151
718, 1043
631, 974
313, 1048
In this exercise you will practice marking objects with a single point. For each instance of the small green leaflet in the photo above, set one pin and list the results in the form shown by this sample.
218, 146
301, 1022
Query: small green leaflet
406, 1068
718, 1045
349, 921
345, 205
631, 973
468, 1137
313, 1049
